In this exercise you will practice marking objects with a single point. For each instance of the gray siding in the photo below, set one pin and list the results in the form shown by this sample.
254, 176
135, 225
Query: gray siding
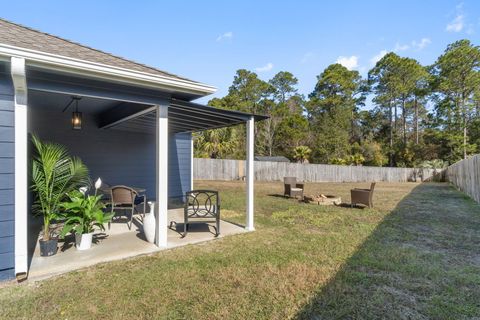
118, 157
179, 164
7, 177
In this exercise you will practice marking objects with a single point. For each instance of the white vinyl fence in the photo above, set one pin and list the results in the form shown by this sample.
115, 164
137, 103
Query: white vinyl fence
221, 169
465, 175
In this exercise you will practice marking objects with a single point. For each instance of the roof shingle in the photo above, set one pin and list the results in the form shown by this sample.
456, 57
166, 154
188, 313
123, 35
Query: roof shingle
24, 37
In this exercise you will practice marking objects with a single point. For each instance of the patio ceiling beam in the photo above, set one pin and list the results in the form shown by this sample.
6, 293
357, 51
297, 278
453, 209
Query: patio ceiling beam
112, 118
231, 113
184, 117
142, 128
193, 124
175, 123
201, 122
207, 128
214, 112
134, 127
147, 122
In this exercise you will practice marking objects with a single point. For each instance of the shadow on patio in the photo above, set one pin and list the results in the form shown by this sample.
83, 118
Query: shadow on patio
119, 243
421, 262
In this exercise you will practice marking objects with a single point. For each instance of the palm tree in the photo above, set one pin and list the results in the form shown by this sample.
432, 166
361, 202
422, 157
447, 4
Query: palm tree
54, 174
216, 143
301, 154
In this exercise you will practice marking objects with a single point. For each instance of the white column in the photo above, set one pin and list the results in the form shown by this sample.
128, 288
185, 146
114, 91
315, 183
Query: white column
250, 173
162, 176
191, 163
21, 165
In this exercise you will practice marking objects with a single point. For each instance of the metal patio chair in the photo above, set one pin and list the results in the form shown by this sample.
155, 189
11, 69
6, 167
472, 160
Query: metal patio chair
201, 206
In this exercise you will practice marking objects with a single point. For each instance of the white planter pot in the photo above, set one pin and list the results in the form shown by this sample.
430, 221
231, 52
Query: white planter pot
83, 241
149, 223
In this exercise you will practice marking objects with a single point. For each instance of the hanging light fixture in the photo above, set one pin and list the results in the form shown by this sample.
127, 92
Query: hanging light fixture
76, 115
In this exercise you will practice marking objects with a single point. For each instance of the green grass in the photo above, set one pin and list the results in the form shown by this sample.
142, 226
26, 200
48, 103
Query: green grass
414, 256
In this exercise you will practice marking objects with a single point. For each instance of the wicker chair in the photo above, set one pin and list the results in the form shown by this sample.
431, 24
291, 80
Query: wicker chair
123, 198
200, 207
292, 188
363, 196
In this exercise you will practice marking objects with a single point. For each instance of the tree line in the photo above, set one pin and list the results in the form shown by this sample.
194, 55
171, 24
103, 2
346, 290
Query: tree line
421, 114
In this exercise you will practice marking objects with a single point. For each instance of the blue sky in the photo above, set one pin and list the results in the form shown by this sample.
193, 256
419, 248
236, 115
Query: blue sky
209, 40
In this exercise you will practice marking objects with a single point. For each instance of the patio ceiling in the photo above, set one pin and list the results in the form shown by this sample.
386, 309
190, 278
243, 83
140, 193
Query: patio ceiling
183, 116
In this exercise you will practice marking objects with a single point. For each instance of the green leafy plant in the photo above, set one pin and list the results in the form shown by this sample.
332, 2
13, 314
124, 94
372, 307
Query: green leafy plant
84, 212
54, 174
301, 154
433, 164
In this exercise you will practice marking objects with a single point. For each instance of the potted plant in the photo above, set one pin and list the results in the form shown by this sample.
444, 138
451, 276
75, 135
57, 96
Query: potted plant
54, 174
82, 214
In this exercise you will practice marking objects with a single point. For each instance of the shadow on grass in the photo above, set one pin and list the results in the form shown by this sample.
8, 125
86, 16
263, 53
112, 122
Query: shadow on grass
276, 195
420, 262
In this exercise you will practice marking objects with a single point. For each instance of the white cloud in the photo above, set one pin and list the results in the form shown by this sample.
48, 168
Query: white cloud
421, 44
226, 36
457, 24
417, 45
265, 68
377, 57
401, 47
307, 57
348, 62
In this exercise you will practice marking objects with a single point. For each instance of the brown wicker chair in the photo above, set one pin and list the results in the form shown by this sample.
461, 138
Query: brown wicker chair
292, 188
123, 198
363, 196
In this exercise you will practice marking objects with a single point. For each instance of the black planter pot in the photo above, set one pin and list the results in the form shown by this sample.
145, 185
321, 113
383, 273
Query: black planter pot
49, 247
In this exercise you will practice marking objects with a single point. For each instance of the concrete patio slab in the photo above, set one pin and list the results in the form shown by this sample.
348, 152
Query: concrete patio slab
119, 243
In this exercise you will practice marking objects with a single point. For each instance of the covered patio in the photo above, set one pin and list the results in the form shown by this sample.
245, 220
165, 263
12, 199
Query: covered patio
120, 243
129, 136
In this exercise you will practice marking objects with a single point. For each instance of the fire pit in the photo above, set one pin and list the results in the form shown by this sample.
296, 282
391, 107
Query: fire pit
322, 199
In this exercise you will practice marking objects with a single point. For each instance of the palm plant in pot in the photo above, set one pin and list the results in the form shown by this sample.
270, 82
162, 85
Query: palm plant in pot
54, 174
83, 213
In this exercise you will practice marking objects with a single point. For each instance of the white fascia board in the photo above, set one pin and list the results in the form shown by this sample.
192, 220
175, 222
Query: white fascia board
102, 71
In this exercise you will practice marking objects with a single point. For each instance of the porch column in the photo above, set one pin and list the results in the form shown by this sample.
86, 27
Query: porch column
161, 207
250, 172
21, 165
191, 161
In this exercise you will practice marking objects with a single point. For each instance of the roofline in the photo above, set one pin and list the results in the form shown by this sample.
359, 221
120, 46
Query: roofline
243, 115
103, 71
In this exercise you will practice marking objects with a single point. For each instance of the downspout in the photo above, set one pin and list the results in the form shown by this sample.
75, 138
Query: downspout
21, 167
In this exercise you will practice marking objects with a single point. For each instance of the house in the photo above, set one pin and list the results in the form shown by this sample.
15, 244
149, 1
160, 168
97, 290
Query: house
272, 158
136, 125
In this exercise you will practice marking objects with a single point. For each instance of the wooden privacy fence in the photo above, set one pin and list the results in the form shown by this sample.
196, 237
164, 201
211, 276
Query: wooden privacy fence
465, 175
222, 169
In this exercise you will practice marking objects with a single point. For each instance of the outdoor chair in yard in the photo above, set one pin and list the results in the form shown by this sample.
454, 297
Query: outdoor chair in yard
292, 188
363, 196
126, 199
201, 206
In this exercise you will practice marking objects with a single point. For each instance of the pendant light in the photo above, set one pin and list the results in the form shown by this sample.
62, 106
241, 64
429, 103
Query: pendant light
76, 115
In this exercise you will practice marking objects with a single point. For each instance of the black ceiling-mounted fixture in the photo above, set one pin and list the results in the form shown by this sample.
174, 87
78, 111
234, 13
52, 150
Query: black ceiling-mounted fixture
76, 115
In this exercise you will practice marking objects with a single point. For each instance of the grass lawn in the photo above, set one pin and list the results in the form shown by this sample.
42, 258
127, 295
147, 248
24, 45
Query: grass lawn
415, 256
